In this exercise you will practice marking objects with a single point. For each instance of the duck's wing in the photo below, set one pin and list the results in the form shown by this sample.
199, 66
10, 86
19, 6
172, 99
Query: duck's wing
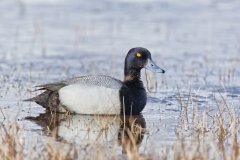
51, 86
92, 80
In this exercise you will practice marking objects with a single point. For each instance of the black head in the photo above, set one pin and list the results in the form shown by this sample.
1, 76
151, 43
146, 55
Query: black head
136, 59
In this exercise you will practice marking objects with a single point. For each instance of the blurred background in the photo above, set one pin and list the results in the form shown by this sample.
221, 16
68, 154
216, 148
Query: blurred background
65, 27
198, 37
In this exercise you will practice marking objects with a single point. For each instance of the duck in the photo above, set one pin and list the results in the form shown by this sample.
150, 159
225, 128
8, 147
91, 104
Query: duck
101, 94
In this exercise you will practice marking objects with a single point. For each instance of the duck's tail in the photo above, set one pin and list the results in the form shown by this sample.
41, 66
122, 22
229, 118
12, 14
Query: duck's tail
49, 100
42, 99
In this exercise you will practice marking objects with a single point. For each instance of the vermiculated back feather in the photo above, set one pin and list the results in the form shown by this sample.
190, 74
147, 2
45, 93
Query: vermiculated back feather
98, 80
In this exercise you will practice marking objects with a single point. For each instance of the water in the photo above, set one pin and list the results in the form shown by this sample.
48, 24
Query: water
197, 43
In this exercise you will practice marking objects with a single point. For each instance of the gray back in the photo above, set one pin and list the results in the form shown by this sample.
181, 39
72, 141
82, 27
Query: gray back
96, 80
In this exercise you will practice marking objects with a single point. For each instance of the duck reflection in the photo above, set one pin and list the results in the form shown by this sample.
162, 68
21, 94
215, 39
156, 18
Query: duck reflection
126, 130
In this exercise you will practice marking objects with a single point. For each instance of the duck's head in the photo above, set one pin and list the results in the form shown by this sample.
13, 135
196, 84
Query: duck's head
136, 59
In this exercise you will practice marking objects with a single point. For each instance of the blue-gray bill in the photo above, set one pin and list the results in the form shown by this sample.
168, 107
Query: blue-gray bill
153, 67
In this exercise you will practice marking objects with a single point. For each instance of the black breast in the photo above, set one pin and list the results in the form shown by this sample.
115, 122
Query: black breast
133, 98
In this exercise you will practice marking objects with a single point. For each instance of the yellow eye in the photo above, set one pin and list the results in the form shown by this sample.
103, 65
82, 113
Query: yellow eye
138, 54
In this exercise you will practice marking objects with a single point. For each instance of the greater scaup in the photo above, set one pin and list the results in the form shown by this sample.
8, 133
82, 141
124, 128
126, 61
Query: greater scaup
102, 94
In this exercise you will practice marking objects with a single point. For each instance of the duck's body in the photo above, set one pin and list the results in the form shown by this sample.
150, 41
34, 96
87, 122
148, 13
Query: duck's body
101, 94
93, 95
81, 95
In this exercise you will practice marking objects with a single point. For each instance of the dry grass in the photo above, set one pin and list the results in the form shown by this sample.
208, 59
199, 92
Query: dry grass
207, 135
11, 144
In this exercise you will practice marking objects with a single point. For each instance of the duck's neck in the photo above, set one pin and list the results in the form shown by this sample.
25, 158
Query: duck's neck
132, 74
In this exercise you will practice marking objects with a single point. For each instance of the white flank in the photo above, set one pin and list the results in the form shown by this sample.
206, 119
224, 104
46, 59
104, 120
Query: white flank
84, 99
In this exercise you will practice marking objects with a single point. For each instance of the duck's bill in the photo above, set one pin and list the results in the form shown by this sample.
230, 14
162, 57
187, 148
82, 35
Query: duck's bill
153, 67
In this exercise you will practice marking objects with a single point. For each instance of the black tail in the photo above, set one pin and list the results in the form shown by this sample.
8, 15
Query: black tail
42, 99
48, 99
